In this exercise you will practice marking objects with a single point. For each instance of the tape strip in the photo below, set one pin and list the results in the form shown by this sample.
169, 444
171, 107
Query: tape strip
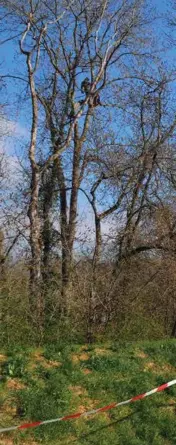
89, 413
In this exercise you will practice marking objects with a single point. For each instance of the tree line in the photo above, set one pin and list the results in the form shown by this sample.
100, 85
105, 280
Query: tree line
98, 100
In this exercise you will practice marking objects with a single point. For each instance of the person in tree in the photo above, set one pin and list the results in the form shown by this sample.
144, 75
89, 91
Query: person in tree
85, 86
94, 99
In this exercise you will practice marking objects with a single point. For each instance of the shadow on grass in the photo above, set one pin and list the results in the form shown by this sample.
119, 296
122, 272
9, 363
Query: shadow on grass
117, 421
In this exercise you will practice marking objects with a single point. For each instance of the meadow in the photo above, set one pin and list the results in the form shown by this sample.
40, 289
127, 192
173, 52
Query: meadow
59, 379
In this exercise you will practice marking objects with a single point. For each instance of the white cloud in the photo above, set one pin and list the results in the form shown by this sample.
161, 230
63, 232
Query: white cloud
9, 128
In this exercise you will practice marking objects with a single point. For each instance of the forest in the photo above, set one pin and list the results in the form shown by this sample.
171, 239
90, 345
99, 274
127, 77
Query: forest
87, 170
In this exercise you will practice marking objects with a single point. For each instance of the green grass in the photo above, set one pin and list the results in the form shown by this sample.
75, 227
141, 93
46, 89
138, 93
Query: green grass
60, 379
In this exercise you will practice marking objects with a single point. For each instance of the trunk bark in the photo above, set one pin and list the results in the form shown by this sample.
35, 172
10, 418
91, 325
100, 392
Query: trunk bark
48, 189
95, 262
68, 222
67, 257
173, 334
46, 247
68, 228
98, 241
74, 190
64, 235
90, 318
36, 298
2, 257
58, 172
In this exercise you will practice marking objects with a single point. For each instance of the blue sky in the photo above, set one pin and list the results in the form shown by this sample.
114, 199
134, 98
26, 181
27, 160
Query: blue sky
12, 62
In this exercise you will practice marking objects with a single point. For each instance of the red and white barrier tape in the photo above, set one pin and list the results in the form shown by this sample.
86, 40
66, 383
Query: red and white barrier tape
89, 413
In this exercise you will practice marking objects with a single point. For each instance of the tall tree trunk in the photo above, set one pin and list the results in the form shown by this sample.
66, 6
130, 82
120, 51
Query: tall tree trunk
58, 173
74, 190
93, 285
68, 222
2, 256
68, 228
65, 249
64, 234
36, 298
46, 245
98, 242
47, 195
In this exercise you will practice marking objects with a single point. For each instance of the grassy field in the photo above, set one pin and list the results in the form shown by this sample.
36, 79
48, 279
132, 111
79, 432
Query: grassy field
49, 382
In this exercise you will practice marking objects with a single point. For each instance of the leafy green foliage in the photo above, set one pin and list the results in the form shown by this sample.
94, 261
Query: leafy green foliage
14, 367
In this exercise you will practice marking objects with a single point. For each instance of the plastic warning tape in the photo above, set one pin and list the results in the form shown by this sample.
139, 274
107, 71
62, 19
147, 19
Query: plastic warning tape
89, 413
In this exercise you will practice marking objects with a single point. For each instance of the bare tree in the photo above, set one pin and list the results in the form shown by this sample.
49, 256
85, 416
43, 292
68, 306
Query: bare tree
102, 36
108, 47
